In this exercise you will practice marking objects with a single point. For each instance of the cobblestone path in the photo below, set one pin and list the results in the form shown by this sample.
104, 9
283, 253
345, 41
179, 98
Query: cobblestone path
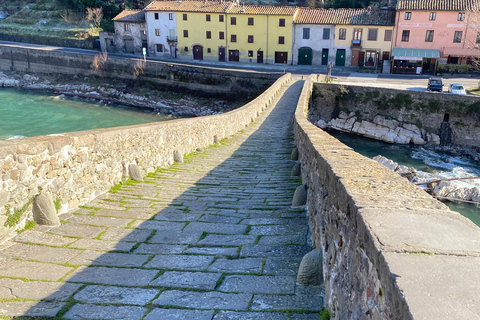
214, 237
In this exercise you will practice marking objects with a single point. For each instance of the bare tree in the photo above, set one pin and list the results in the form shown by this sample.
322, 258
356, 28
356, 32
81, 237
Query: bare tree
99, 61
95, 15
473, 35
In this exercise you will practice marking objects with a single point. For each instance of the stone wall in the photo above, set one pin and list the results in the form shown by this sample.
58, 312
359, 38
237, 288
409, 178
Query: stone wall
427, 110
49, 41
76, 167
390, 250
46, 60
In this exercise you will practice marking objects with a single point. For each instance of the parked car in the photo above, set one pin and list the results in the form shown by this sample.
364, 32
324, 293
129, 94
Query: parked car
435, 84
456, 88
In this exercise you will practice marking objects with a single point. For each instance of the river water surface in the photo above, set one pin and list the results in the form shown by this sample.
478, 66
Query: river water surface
27, 114
429, 165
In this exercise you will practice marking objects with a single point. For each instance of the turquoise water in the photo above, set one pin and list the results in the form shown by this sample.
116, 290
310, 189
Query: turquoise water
429, 164
27, 114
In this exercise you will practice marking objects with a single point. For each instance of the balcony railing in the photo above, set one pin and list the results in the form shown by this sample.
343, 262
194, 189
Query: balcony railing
356, 43
172, 39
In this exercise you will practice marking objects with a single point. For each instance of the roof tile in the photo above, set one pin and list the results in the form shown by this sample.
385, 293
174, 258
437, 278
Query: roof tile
369, 16
438, 5
130, 16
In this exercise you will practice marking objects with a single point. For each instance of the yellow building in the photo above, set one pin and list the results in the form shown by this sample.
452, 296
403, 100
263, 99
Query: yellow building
363, 37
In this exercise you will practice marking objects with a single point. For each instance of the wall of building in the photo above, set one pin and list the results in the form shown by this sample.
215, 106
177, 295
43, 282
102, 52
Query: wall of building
242, 30
315, 42
76, 167
164, 24
129, 31
390, 250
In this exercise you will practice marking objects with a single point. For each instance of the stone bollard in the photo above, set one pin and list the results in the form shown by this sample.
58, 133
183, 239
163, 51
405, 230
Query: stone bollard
310, 271
134, 172
44, 212
215, 139
294, 154
300, 196
177, 156
296, 170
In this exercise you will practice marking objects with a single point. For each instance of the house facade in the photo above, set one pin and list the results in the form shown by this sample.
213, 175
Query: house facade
162, 34
130, 33
313, 38
433, 32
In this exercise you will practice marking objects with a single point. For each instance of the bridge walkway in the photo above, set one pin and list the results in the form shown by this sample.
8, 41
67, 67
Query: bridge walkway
214, 237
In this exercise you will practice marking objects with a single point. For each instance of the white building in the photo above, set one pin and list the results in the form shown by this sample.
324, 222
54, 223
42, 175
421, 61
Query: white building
313, 39
161, 32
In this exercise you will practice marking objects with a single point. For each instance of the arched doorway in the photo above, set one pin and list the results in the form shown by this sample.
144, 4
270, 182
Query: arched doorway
197, 52
305, 56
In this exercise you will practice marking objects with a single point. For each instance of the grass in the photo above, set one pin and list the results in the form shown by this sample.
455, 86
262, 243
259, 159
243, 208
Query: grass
475, 91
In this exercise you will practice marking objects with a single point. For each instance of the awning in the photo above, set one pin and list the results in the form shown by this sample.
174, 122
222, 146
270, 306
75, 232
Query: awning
460, 52
414, 54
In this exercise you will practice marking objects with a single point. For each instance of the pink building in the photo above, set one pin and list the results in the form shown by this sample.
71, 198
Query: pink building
429, 32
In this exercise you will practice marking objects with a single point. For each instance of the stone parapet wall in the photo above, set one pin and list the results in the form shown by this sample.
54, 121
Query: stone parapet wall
390, 250
76, 167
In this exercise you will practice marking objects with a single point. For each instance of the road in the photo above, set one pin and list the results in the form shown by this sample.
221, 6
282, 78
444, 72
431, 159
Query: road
341, 75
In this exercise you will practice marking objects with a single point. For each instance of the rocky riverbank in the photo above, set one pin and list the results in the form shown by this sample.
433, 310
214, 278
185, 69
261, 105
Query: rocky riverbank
114, 91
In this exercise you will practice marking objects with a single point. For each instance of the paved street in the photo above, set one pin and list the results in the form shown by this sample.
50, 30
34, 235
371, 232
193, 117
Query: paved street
214, 237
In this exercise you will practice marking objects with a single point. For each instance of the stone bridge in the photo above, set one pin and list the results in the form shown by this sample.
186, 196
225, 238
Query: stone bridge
213, 233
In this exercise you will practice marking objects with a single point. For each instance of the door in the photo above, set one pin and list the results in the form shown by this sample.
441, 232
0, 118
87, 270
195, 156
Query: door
221, 54
197, 52
233, 55
324, 57
281, 57
371, 58
305, 56
259, 56
340, 58
386, 55
129, 46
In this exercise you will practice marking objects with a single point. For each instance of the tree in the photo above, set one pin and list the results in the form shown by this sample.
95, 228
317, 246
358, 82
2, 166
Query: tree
95, 15
472, 38
99, 62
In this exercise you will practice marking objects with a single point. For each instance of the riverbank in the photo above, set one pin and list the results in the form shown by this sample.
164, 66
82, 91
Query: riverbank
138, 94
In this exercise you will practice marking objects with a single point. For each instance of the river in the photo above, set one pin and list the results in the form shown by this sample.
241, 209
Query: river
26, 114
429, 165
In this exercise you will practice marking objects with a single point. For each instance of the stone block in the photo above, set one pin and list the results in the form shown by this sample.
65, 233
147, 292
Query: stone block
296, 170
115, 295
300, 196
134, 172
92, 311
258, 284
195, 280
179, 314
44, 212
310, 271
204, 300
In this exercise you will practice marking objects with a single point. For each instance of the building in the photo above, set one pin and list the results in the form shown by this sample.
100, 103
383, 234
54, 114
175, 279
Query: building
130, 33
363, 36
313, 37
432, 32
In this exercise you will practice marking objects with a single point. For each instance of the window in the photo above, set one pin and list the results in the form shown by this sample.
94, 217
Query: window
478, 37
342, 34
250, 21
209, 50
250, 39
157, 32
281, 22
457, 37
126, 27
388, 35
156, 15
185, 49
372, 34
159, 47
326, 34
429, 36
461, 16
306, 33
281, 40
220, 18
408, 15
185, 33
207, 17
233, 21
185, 16
221, 35
433, 16
233, 38
250, 53
170, 16
405, 35
209, 34
357, 34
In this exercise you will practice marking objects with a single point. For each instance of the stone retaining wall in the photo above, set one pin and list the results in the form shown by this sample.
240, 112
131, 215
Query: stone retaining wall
427, 110
76, 167
49, 60
390, 250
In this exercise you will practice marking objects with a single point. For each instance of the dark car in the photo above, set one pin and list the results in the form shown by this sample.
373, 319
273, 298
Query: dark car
435, 84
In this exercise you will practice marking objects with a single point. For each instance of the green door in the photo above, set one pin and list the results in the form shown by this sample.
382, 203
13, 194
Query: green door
305, 56
324, 57
340, 58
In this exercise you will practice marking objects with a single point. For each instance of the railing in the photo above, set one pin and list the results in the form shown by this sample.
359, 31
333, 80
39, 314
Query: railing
172, 39
356, 43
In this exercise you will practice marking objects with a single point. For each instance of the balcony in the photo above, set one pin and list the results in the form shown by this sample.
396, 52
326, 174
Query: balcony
172, 39
356, 43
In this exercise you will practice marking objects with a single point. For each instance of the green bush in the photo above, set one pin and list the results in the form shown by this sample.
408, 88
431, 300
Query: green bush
453, 68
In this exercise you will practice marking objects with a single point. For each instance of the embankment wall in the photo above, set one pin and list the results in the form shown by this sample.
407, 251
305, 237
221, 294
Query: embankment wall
390, 250
76, 167
50, 60
427, 110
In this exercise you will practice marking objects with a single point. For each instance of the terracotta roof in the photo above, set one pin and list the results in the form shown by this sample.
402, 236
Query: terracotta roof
367, 16
188, 6
271, 10
438, 5
130, 16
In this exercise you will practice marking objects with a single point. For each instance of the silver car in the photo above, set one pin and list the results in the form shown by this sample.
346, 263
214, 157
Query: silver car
456, 88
